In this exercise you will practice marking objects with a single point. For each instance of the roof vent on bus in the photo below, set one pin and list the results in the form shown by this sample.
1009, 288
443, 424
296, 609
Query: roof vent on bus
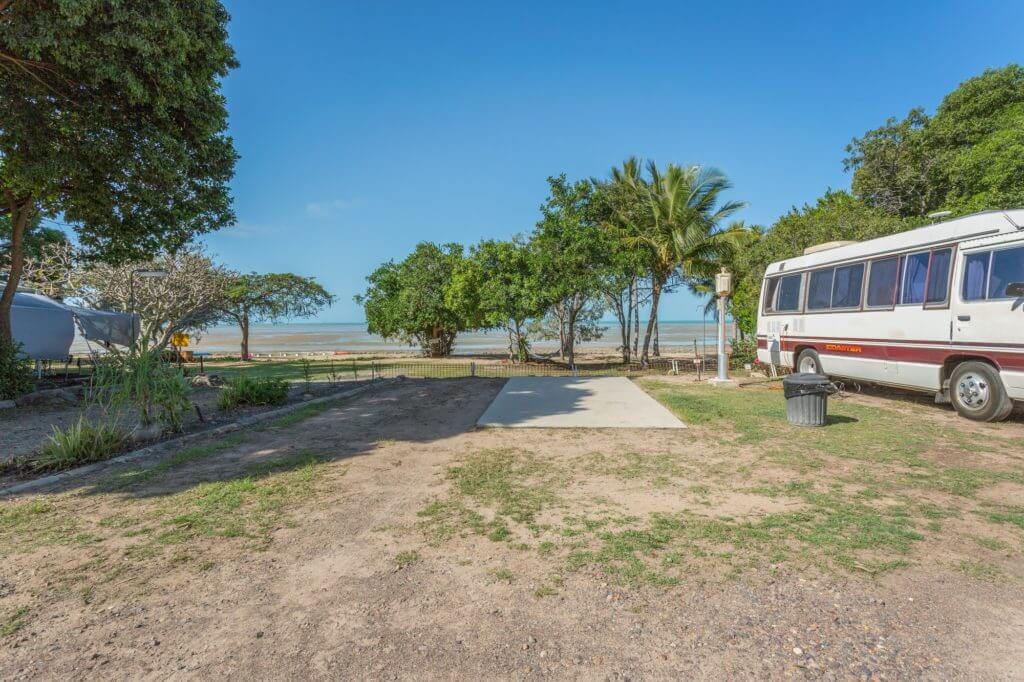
939, 215
826, 246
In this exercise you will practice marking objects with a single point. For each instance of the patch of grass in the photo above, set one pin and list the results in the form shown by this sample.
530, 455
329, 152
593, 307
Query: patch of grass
656, 468
13, 622
407, 558
980, 570
517, 484
995, 544
299, 415
246, 391
1011, 515
505, 575
140, 476
27, 525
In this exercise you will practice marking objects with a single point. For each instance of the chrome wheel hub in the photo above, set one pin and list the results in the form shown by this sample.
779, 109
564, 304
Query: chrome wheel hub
809, 365
973, 391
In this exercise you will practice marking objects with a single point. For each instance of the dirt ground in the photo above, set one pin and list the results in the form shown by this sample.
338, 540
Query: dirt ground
398, 542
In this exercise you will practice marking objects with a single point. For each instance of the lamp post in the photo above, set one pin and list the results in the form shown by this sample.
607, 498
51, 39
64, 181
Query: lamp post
144, 273
723, 288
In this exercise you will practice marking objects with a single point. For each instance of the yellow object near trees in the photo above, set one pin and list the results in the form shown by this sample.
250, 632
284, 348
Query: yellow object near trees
179, 340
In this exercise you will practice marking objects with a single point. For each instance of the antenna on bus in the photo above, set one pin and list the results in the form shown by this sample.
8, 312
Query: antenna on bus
939, 215
1007, 216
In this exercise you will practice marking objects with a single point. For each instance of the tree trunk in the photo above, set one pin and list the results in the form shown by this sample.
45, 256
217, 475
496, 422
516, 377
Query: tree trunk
19, 219
635, 302
244, 325
657, 349
655, 295
571, 333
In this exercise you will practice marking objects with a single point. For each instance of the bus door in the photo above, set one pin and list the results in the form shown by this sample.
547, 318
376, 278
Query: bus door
988, 305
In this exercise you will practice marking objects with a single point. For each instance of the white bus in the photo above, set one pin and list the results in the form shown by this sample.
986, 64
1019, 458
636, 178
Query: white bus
937, 309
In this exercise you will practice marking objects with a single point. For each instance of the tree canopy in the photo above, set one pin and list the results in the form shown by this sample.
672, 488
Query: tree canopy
112, 117
253, 298
410, 300
968, 157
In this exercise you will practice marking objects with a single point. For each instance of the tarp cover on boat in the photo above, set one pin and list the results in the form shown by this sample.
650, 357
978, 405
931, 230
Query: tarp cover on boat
45, 328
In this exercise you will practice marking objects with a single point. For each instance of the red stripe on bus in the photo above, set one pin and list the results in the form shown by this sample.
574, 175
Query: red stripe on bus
1012, 361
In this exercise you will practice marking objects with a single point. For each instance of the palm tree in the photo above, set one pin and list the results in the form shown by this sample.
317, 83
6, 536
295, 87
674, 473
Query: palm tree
678, 227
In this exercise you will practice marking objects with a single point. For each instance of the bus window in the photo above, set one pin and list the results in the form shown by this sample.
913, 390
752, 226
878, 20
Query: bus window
847, 286
789, 294
915, 273
938, 277
882, 282
819, 289
975, 276
769, 294
1007, 268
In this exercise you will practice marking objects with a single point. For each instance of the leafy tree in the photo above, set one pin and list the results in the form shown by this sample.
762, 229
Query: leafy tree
835, 216
496, 286
570, 250
968, 157
35, 241
190, 298
410, 300
679, 229
893, 166
617, 207
112, 117
254, 298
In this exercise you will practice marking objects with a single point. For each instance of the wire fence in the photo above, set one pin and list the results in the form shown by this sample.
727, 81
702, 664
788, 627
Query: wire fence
453, 370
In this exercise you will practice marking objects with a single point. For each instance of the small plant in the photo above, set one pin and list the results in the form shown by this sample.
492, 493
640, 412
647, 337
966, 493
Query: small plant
744, 352
81, 443
245, 391
142, 380
15, 372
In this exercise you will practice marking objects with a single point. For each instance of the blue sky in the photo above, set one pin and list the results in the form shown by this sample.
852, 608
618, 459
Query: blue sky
365, 127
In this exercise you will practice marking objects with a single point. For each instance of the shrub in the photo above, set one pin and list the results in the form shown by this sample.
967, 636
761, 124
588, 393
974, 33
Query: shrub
743, 352
143, 381
15, 372
244, 391
80, 443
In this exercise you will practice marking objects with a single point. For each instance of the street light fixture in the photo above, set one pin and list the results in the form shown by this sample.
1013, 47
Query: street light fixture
143, 273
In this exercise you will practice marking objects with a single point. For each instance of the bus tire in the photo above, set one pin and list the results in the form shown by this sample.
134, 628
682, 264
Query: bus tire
808, 361
977, 392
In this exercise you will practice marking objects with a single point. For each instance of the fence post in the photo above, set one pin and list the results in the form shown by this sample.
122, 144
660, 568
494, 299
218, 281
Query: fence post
472, 369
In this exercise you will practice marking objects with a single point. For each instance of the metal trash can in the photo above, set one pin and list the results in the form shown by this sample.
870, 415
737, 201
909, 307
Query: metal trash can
807, 398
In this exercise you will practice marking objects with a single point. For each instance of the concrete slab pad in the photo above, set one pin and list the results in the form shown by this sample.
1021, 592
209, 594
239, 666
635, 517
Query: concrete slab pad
577, 402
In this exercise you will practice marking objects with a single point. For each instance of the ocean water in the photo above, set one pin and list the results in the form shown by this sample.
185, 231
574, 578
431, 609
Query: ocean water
353, 337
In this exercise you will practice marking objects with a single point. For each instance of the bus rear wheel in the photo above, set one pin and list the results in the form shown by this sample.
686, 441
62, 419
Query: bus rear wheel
808, 361
976, 391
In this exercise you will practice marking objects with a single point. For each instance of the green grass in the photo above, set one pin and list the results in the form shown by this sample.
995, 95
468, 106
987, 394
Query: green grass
862, 494
407, 558
293, 370
13, 622
981, 570
139, 476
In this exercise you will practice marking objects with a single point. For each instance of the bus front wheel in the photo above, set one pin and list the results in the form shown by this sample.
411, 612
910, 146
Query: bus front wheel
976, 391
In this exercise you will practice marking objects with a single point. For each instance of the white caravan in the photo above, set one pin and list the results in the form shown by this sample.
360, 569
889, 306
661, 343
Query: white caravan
937, 309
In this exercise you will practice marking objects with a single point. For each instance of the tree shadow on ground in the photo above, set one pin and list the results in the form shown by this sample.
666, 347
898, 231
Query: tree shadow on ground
411, 411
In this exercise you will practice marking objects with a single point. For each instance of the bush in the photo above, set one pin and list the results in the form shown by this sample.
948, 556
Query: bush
743, 352
143, 381
15, 372
81, 443
244, 391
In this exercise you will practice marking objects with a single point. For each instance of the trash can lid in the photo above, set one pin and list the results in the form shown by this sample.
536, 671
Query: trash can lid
805, 379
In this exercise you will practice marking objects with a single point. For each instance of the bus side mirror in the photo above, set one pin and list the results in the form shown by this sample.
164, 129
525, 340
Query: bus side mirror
1015, 289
